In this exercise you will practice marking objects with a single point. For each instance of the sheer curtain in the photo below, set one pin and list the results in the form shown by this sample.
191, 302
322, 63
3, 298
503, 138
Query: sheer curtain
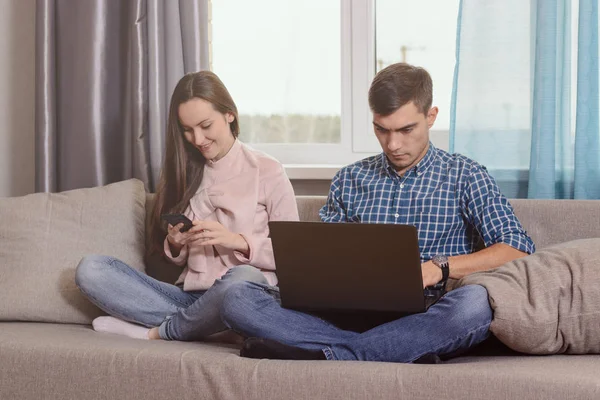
105, 70
525, 95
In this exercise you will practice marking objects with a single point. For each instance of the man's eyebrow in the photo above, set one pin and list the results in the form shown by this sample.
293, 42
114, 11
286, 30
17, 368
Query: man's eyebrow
396, 130
379, 126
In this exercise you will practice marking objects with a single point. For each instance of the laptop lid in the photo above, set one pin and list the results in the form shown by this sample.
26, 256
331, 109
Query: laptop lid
348, 267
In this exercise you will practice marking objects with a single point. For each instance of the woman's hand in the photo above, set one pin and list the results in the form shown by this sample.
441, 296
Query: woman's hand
176, 238
209, 233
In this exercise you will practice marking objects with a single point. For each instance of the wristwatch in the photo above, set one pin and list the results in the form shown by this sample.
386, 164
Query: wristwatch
442, 262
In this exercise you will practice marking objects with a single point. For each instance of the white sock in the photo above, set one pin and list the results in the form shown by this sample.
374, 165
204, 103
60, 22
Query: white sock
120, 327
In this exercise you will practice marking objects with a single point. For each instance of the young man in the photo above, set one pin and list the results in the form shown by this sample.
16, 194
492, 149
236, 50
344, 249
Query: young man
452, 201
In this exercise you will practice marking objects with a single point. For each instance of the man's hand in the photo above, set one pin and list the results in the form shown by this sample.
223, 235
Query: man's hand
432, 274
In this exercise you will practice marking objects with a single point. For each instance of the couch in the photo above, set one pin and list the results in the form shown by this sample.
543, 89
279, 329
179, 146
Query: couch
49, 351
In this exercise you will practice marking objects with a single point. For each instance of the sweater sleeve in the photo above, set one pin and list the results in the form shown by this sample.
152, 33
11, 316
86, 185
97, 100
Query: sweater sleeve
281, 206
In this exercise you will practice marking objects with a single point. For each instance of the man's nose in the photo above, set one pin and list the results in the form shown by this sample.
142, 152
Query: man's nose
395, 142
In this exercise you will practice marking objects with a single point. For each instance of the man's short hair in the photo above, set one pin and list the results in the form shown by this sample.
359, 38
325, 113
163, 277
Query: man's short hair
399, 84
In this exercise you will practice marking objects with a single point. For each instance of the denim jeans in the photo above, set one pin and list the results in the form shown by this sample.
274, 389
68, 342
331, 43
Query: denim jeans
458, 321
128, 294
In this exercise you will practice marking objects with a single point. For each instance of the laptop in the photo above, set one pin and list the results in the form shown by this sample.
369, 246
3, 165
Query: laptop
354, 275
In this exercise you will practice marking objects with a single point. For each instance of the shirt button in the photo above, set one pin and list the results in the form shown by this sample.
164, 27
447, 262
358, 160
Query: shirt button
396, 215
401, 185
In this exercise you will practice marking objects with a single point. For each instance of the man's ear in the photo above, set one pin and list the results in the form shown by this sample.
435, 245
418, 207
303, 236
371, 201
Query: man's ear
431, 116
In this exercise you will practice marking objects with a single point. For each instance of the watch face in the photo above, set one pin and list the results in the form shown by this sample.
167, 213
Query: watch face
439, 259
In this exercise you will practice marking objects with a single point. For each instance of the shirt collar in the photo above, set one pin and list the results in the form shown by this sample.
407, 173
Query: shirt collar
418, 169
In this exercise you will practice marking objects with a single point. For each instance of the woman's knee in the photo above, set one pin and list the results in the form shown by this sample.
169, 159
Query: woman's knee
245, 273
92, 272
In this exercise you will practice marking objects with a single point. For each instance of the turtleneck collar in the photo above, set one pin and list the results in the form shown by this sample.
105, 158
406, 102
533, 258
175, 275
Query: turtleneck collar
226, 162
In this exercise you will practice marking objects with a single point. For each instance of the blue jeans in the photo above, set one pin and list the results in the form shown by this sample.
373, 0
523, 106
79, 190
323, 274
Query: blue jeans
458, 321
128, 294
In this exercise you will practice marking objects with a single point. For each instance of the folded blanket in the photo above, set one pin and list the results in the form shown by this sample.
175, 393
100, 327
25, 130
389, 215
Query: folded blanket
548, 302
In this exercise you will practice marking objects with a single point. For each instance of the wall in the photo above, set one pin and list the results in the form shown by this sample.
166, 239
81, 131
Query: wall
17, 94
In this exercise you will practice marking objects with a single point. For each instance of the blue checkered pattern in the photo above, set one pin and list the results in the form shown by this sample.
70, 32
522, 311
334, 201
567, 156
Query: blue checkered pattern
451, 200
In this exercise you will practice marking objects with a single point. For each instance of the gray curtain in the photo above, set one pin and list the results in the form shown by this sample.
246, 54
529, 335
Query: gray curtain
105, 70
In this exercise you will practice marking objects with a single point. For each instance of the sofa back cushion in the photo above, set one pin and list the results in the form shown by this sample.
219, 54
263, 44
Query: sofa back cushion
550, 222
43, 237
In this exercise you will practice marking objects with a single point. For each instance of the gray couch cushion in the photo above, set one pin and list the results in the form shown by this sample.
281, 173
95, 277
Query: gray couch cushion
50, 361
43, 236
309, 206
551, 222
548, 302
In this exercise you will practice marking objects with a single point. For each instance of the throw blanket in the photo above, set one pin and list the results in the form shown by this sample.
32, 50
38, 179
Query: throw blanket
548, 302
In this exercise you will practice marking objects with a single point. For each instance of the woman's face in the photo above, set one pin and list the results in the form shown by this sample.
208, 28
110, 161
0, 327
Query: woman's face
206, 129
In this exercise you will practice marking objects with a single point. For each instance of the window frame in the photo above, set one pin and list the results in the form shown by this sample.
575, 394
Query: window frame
357, 68
357, 39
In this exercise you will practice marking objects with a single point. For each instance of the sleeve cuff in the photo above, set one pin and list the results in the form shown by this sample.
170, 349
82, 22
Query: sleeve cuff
241, 256
525, 245
181, 259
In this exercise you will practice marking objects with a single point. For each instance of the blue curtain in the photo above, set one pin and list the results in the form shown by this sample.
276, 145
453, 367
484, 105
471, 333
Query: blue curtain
525, 100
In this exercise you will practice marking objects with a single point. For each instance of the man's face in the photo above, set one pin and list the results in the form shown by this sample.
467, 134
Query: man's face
404, 135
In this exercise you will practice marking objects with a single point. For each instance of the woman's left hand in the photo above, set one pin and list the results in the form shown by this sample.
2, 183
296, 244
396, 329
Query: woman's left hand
209, 233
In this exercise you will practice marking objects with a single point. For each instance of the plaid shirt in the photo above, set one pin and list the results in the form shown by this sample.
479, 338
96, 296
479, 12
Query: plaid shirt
451, 200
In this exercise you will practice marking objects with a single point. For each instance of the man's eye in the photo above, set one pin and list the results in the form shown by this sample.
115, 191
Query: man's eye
409, 130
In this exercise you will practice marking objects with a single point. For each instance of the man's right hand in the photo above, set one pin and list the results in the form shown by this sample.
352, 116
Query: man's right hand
432, 274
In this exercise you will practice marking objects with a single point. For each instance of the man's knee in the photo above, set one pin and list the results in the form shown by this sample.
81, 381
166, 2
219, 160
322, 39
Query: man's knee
474, 306
236, 301
237, 294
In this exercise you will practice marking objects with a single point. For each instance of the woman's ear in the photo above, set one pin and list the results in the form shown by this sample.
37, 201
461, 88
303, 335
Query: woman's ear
229, 117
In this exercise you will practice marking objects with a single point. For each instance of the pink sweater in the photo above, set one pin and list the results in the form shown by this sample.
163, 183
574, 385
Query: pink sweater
243, 191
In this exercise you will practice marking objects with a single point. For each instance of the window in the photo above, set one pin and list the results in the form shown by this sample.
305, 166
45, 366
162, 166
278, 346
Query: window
300, 71
409, 31
281, 63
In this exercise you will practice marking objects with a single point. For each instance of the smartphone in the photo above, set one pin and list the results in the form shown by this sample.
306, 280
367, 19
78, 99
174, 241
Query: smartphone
175, 219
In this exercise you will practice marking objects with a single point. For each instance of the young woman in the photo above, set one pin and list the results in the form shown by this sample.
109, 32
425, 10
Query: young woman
229, 191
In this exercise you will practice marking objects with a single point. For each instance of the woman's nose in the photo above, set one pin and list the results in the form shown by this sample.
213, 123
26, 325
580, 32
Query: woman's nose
198, 137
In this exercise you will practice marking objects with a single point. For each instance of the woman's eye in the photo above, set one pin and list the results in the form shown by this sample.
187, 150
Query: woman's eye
206, 127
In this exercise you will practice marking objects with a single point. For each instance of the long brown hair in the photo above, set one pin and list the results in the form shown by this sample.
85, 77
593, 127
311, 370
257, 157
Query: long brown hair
183, 164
